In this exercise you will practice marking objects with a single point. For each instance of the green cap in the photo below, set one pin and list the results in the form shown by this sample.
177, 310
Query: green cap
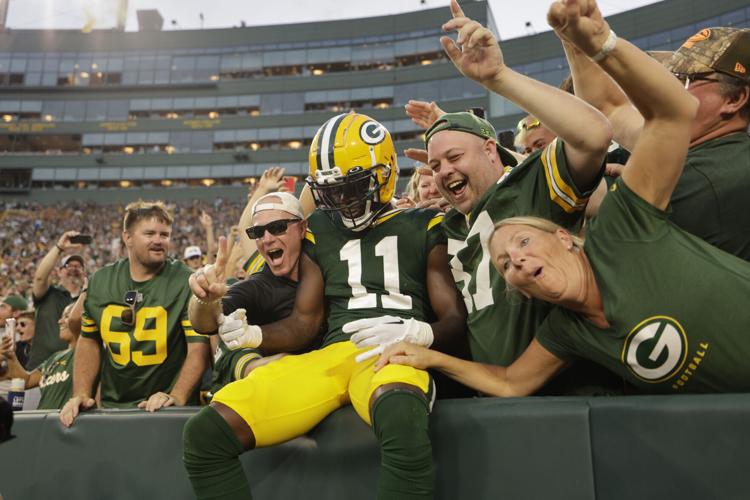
726, 50
16, 302
471, 124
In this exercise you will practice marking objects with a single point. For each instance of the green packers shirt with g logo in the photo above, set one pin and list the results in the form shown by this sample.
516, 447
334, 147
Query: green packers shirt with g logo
381, 270
144, 358
675, 304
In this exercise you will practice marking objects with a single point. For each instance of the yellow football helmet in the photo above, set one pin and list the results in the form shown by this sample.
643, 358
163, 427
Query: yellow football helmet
353, 169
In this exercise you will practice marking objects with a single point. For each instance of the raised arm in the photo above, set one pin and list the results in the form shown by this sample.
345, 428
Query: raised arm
48, 263
585, 131
668, 109
524, 377
208, 226
596, 87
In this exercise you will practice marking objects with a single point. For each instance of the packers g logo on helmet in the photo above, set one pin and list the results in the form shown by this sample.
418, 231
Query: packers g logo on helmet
353, 169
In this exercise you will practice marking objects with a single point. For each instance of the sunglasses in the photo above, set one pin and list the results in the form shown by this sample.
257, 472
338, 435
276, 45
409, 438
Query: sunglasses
687, 78
132, 299
276, 228
523, 125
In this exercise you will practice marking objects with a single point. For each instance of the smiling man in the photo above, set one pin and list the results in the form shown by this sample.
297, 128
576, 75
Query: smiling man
137, 307
278, 229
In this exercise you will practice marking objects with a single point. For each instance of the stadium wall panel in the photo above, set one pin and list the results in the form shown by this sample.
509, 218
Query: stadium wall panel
652, 447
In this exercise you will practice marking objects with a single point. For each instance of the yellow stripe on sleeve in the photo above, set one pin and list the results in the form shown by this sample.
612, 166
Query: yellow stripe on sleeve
255, 264
559, 191
89, 328
239, 367
435, 221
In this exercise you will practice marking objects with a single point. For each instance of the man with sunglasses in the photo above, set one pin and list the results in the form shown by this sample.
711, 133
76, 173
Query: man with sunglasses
711, 198
137, 307
278, 229
50, 299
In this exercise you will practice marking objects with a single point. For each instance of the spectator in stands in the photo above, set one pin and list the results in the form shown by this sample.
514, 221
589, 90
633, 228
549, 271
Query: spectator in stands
710, 199
193, 257
208, 228
55, 375
531, 135
11, 307
278, 228
467, 164
422, 191
50, 300
25, 330
355, 225
138, 308
627, 296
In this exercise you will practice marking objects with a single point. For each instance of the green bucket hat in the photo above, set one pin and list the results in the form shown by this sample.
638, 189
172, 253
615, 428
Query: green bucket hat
471, 124
726, 50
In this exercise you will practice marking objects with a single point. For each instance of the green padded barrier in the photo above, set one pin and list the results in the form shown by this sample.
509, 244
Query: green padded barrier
579, 448
486, 448
681, 447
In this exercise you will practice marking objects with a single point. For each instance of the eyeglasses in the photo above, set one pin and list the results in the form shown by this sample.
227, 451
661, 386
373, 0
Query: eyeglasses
524, 125
687, 78
276, 228
132, 299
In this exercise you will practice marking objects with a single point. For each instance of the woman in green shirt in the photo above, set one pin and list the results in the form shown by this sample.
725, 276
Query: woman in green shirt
54, 376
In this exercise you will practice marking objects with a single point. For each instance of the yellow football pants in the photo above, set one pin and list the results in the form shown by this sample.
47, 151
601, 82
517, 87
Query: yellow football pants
287, 398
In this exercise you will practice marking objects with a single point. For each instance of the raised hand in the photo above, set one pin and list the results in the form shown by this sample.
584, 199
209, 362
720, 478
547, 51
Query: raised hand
206, 220
415, 154
579, 22
209, 282
64, 241
271, 181
423, 113
475, 53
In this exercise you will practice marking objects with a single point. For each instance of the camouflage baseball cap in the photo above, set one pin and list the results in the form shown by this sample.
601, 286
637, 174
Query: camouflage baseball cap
471, 124
726, 50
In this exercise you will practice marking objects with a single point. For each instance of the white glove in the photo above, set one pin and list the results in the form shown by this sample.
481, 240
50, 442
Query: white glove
387, 330
236, 333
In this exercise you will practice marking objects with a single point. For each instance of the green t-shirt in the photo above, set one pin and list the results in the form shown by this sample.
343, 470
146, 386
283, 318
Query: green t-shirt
711, 198
56, 384
49, 308
674, 303
145, 358
381, 270
502, 325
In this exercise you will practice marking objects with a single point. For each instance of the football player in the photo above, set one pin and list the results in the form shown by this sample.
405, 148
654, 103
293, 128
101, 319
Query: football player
379, 273
137, 307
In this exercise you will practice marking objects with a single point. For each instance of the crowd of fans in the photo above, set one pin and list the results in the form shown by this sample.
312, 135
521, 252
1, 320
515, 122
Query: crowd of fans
27, 230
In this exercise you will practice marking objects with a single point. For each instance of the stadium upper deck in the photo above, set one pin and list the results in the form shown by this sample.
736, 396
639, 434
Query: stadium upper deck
126, 115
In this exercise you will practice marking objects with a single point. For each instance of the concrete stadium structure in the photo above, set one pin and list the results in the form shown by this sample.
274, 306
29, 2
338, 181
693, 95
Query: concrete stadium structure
112, 116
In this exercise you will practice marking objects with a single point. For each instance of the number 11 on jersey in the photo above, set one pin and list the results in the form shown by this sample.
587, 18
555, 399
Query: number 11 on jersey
387, 248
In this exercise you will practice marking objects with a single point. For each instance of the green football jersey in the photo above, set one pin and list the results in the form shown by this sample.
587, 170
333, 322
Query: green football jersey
56, 384
145, 358
381, 270
711, 198
500, 327
674, 303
